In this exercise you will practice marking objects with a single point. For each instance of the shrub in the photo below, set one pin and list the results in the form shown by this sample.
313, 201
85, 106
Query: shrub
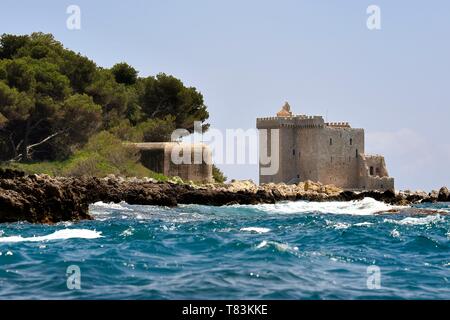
218, 175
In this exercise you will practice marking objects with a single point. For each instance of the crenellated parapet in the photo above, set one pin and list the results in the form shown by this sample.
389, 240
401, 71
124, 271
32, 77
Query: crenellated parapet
338, 124
332, 153
298, 121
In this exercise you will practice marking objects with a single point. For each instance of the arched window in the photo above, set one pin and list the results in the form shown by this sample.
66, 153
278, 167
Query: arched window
351, 141
331, 142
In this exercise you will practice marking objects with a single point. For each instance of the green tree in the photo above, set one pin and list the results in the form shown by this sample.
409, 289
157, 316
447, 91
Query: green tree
112, 96
77, 120
157, 130
124, 73
10, 44
52, 100
166, 95
218, 175
20, 75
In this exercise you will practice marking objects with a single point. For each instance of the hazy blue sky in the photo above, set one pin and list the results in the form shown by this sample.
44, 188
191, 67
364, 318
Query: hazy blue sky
248, 57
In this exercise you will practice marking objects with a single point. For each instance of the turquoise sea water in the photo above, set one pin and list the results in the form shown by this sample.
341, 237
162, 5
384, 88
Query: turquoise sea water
291, 250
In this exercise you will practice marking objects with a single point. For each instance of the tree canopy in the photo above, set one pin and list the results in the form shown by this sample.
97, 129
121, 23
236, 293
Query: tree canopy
52, 100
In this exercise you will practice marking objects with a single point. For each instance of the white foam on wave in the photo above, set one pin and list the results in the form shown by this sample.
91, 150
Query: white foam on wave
338, 225
395, 233
367, 206
363, 224
256, 229
416, 221
112, 205
128, 232
282, 247
57, 235
344, 225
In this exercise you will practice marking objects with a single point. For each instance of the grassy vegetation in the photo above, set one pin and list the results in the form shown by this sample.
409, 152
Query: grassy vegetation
61, 114
104, 154
218, 175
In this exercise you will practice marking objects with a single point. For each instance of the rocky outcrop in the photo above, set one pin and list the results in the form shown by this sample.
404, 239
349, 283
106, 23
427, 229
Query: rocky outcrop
444, 194
45, 199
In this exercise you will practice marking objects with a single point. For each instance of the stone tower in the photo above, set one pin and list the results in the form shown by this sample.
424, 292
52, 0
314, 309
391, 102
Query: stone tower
307, 148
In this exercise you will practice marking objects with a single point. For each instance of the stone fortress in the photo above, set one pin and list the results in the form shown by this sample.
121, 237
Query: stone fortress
329, 153
157, 156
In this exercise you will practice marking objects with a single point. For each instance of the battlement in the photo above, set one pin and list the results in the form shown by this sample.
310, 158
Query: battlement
300, 116
330, 152
374, 156
338, 124
298, 121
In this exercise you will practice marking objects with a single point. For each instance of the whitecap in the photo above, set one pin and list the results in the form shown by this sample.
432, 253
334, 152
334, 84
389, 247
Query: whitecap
262, 244
128, 232
256, 229
363, 224
416, 221
169, 228
395, 234
337, 225
57, 235
367, 206
112, 205
282, 247
341, 225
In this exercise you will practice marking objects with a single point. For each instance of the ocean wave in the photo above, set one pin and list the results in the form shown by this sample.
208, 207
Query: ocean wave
395, 233
116, 206
344, 225
57, 235
367, 206
256, 229
416, 221
363, 224
128, 232
282, 247
338, 225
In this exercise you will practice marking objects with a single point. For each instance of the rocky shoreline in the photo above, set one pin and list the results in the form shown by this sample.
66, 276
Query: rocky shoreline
45, 199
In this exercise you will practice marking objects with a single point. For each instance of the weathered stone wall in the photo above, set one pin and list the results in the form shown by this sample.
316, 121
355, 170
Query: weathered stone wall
376, 178
310, 149
376, 165
158, 157
298, 147
307, 152
337, 158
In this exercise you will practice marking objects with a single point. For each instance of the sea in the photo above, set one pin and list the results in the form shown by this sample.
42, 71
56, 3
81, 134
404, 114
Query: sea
288, 250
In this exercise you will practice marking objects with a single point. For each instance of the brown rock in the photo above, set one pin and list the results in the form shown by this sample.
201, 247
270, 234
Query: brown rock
444, 194
44, 199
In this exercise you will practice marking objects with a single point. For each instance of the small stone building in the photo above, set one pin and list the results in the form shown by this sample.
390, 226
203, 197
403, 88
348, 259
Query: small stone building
187, 161
330, 153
